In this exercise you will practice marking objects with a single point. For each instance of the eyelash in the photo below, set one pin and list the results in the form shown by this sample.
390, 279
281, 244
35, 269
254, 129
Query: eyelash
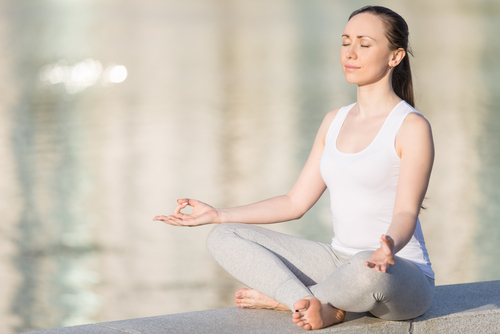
363, 46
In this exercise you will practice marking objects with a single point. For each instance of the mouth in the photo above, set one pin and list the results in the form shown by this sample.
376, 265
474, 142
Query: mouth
350, 68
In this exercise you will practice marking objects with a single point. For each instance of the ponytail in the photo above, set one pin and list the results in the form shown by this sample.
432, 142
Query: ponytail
402, 83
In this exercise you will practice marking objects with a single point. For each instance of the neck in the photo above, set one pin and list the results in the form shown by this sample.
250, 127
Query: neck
376, 98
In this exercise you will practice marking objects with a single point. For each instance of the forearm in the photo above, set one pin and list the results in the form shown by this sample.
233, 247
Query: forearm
272, 210
401, 229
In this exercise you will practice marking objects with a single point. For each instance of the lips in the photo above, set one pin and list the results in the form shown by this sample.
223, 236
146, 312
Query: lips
350, 68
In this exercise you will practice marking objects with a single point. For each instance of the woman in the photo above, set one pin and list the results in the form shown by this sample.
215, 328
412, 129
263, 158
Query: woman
375, 156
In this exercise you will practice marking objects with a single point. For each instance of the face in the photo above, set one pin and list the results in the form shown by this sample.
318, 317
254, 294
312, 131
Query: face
365, 53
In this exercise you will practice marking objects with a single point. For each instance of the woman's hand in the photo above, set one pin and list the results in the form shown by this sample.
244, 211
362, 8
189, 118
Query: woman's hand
202, 214
383, 257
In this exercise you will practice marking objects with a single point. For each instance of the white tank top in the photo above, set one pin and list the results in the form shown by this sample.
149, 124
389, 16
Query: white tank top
362, 189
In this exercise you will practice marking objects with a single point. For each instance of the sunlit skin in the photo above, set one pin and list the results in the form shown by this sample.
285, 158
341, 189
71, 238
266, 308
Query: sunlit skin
368, 62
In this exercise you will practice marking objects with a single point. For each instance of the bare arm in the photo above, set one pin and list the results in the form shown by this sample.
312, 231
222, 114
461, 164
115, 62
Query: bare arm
415, 146
304, 194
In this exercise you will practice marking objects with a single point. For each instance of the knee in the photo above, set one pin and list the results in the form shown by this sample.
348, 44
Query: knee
217, 235
360, 258
368, 277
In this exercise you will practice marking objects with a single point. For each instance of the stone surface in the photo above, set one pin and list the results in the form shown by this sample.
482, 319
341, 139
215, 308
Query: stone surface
83, 329
460, 308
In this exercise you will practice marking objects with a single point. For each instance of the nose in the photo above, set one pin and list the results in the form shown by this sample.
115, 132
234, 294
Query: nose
350, 53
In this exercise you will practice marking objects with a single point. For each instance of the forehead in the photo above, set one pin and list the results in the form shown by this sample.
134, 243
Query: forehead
365, 24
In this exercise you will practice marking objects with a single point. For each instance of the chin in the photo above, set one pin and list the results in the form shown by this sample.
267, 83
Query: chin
351, 79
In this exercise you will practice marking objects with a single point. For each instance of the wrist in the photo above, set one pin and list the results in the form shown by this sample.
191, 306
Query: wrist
219, 216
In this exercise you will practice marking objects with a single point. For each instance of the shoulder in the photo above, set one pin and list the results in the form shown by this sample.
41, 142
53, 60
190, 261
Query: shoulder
328, 119
414, 124
325, 125
330, 116
415, 134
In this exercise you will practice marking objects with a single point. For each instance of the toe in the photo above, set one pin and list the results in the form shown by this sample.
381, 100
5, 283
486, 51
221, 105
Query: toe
240, 293
300, 323
302, 304
245, 304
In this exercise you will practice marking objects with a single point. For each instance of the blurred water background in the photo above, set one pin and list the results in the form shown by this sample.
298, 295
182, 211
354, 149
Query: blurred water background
110, 110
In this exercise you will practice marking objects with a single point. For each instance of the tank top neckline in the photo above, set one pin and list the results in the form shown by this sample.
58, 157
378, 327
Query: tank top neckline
374, 139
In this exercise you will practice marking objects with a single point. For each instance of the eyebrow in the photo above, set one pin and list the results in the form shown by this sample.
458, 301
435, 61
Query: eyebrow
360, 36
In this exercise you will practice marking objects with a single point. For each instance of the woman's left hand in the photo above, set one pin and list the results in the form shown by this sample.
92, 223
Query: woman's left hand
383, 257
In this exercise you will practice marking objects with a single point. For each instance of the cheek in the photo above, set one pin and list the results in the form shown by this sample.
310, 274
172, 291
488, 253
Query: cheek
379, 62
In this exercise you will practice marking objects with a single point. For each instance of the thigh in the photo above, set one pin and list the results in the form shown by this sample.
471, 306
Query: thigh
403, 292
310, 261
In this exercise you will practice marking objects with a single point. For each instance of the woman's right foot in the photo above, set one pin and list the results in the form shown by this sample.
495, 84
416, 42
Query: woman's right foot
312, 314
251, 298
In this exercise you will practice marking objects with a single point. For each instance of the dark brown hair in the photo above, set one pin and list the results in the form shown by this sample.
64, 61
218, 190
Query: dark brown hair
396, 31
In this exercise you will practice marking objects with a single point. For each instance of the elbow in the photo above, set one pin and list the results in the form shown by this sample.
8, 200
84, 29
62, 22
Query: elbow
296, 208
298, 215
298, 212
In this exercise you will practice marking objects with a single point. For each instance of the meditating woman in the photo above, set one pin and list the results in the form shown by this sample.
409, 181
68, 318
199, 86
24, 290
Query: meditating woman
375, 157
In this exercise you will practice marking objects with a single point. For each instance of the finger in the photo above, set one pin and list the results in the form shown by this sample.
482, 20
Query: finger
167, 219
171, 222
386, 243
385, 248
188, 222
178, 208
387, 240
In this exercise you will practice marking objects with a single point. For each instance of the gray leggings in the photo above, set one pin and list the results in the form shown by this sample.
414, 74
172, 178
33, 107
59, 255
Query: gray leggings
288, 268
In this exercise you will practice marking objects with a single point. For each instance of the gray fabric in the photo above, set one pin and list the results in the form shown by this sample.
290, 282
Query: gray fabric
287, 269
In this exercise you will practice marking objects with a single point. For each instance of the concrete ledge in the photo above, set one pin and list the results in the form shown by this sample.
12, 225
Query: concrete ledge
461, 308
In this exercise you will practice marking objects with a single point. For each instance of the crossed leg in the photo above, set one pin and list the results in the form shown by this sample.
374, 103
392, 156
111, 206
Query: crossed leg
278, 267
310, 278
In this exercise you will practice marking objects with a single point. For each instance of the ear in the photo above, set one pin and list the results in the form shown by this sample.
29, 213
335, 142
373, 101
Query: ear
396, 57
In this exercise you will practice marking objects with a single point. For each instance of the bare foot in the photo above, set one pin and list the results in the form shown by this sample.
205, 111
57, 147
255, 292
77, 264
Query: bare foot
251, 298
312, 314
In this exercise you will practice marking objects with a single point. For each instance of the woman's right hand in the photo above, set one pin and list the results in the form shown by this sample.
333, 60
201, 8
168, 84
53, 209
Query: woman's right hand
202, 214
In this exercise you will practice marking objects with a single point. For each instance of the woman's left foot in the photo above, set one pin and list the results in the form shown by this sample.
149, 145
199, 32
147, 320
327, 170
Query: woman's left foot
251, 298
312, 314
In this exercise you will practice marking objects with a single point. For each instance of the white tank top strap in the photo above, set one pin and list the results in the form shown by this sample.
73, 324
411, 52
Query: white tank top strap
394, 120
338, 121
387, 133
